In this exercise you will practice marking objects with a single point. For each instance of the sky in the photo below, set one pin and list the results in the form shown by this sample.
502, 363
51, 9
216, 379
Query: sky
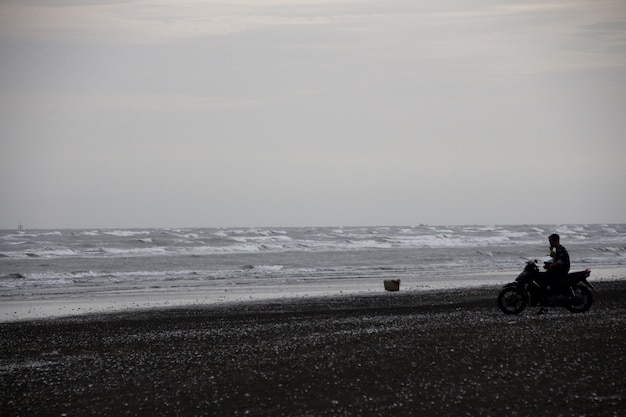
230, 113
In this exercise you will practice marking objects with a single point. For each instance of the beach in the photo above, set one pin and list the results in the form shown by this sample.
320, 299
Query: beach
55, 273
440, 353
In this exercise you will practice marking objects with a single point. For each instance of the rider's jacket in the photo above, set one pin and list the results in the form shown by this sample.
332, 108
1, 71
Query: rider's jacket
561, 257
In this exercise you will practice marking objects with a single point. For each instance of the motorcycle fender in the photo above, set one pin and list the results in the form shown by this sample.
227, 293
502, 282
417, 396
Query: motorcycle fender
512, 285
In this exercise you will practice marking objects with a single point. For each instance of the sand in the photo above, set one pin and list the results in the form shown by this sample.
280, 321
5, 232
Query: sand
436, 353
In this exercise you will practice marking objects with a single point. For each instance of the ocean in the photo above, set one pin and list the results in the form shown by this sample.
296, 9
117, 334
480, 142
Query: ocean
48, 273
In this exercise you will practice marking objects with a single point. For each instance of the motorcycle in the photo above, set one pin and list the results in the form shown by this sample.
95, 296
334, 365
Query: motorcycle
572, 292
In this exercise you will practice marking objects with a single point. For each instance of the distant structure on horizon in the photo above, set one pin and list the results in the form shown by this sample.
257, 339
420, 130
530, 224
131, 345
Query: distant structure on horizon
20, 226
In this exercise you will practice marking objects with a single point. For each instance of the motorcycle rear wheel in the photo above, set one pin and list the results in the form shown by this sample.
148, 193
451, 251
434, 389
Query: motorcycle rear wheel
511, 300
586, 300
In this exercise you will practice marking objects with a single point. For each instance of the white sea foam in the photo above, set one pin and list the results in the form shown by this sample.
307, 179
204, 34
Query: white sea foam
126, 233
88, 233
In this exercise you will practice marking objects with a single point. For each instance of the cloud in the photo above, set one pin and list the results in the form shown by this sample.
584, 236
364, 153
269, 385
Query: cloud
147, 21
513, 37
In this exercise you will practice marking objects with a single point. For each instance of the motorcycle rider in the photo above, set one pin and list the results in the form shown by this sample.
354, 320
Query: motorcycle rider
556, 270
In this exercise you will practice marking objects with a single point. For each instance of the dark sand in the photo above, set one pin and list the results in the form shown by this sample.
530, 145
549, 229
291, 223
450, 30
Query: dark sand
444, 353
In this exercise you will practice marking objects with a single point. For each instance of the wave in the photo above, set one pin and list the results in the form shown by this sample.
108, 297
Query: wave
126, 233
618, 251
201, 242
263, 268
22, 235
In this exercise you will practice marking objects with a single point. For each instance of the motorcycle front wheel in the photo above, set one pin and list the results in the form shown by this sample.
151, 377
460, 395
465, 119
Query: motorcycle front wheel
582, 299
511, 300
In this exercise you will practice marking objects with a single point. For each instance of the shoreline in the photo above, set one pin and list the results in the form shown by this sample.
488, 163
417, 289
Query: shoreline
444, 353
286, 302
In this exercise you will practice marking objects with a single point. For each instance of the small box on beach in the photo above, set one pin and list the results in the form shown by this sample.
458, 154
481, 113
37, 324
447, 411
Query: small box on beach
392, 284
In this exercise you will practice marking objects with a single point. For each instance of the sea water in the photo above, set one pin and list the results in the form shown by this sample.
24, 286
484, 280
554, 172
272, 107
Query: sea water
47, 273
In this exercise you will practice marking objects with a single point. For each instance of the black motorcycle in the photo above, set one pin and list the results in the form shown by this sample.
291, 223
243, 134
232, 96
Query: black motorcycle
572, 292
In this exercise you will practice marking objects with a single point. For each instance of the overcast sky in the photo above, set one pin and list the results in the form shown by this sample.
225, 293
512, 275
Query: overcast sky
180, 113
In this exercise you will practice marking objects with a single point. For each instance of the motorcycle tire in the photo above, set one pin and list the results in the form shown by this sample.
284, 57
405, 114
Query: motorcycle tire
511, 300
585, 304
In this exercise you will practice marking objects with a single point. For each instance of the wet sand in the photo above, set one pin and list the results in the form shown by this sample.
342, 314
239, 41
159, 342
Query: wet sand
436, 353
